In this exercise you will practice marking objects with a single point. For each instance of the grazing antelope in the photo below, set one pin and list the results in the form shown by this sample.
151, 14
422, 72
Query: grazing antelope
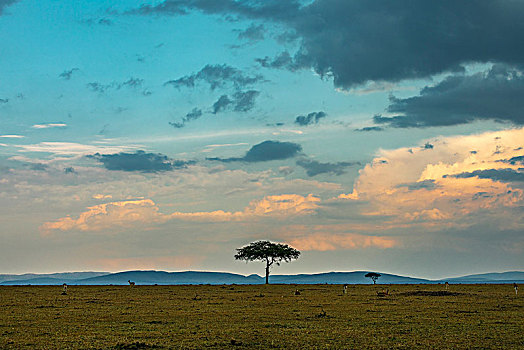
345, 289
132, 284
382, 293
64, 289
516, 289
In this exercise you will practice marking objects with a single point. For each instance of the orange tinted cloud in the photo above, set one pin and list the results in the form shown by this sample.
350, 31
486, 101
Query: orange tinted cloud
422, 184
105, 216
283, 205
102, 196
325, 242
145, 212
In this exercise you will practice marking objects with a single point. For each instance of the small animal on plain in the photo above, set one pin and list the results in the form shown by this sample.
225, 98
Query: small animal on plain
447, 285
345, 289
516, 288
383, 293
64, 289
132, 284
297, 292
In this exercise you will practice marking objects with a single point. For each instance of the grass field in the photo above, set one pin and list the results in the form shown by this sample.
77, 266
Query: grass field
259, 316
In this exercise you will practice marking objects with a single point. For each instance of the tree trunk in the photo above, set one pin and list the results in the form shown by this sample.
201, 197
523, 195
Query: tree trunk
267, 272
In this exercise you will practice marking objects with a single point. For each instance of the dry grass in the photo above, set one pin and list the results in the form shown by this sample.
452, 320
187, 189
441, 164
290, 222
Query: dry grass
263, 317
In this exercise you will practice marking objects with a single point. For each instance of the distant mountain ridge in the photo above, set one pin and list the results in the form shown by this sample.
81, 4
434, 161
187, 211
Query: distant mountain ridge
57, 275
203, 277
492, 277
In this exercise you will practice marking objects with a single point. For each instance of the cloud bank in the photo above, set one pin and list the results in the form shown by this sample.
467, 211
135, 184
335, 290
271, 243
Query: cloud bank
139, 161
266, 151
193, 115
311, 118
216, 76
5, 3
314, 167
348, 40
461, 99
67, 74
241, 101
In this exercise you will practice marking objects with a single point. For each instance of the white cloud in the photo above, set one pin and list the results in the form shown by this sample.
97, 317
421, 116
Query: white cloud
73, 149
12, 136
49, 125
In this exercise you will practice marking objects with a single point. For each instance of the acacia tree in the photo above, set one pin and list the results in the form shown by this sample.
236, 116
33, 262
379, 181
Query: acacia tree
271, 253
374, 276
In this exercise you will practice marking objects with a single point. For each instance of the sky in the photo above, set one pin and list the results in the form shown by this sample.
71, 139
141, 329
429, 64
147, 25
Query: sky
370, 135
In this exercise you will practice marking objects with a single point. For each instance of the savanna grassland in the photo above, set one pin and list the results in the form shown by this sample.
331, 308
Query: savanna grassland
261, 317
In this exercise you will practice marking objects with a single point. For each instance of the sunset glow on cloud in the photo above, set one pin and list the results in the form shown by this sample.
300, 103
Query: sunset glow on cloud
349, 241
439, 184
144, 212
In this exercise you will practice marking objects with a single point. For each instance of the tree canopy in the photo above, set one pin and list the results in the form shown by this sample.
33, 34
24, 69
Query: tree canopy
374, 276
271, 253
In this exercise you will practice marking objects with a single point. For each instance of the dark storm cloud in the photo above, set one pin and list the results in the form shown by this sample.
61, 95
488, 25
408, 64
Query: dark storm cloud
98, 87
314, 168
495, 94
69, 170
252, 33
218, 75
515, 160
132, 83
504, 175
261, 9
67, 74
311, 118
245, 101
360, 40
5, 3
193, 115
266, 151
419, 185
221, 104
242, 101
283, 60
139, 161
287, 37
370, 128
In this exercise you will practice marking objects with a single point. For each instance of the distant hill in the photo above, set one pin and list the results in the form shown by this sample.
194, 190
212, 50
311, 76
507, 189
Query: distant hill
202, 277
58, 275
40, 281
494, 277
162, 277
356, 277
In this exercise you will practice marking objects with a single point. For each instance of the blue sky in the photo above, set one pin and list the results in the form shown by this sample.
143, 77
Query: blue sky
165, 134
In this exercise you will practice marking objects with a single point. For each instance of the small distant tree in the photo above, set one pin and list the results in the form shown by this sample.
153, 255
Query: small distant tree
270, 253
373, 275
